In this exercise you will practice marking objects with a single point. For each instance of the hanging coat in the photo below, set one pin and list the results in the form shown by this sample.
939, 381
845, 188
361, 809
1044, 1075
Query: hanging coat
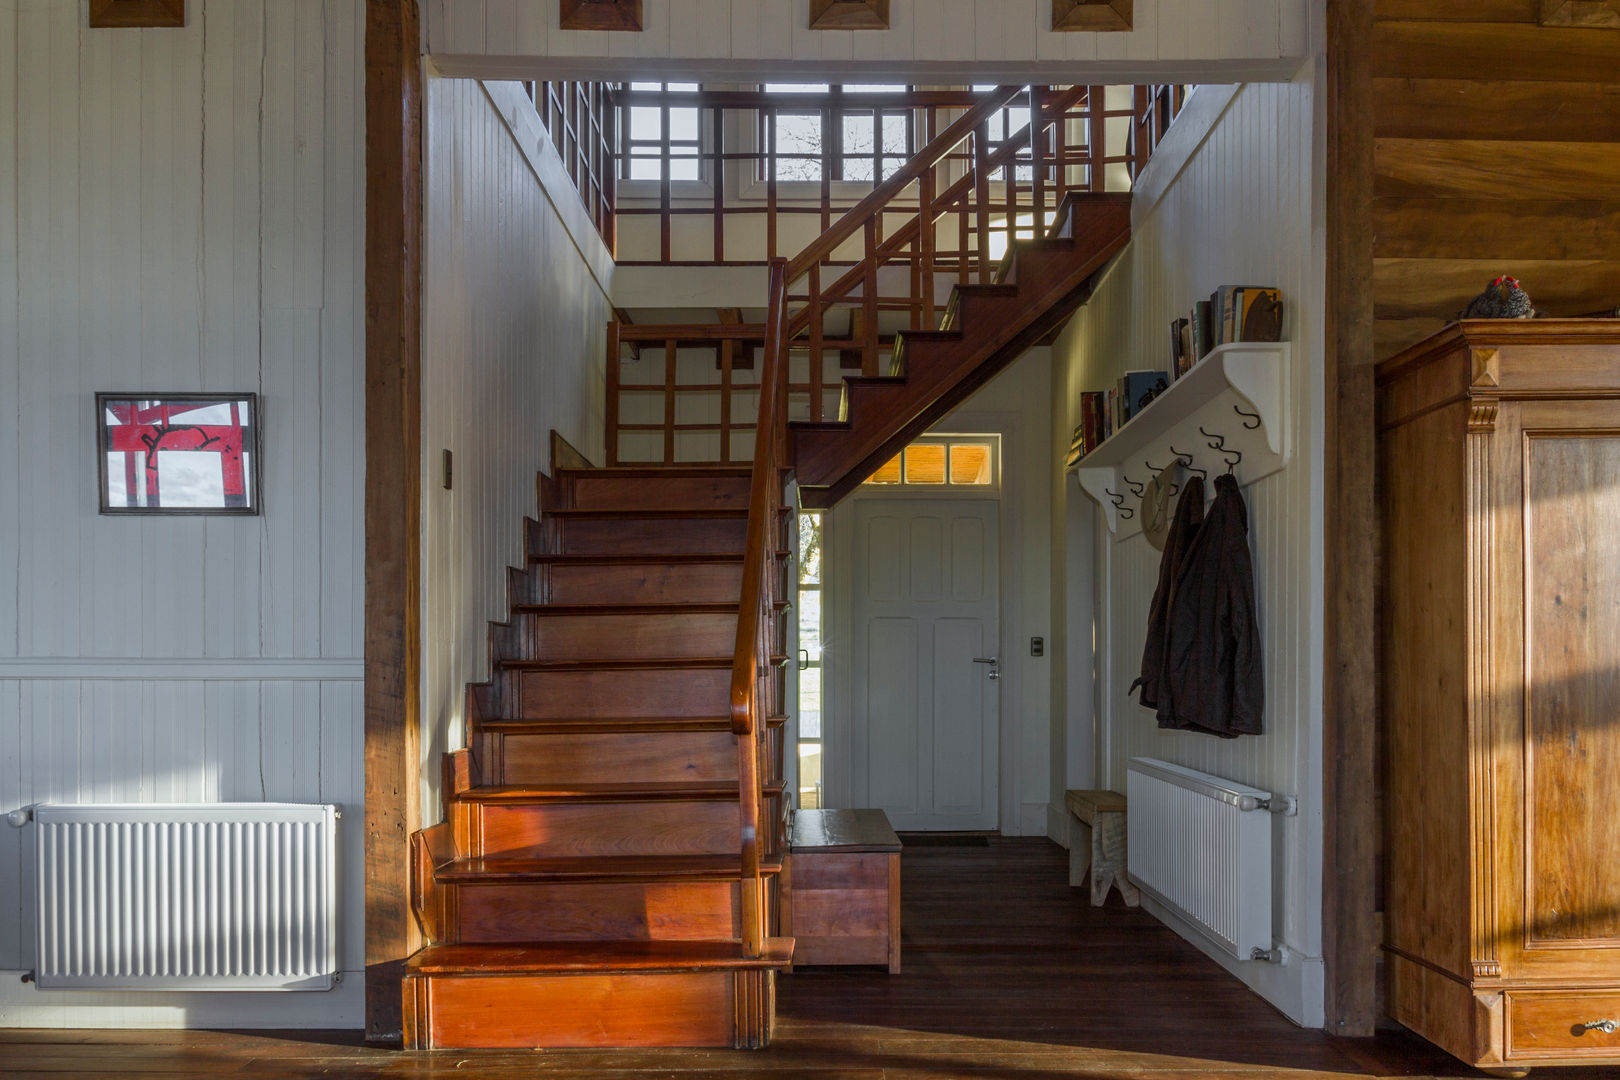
1183, 527
1212, 674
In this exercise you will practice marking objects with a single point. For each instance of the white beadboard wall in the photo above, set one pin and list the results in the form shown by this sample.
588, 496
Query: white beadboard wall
1240, 211
1187, 39
516, 306
181, 210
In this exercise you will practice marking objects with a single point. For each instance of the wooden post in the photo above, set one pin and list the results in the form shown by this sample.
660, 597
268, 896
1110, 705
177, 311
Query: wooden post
1350, 705
612, 404
393, 412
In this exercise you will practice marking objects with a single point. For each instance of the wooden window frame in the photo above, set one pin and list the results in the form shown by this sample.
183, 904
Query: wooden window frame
849, 14
1093, 16
129, 14
620, 15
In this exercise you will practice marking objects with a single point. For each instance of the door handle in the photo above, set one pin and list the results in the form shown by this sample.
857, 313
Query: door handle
804, 659
994, 672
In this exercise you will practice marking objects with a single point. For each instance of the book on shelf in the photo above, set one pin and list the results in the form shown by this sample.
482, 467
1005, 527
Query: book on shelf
1138, 388
1245, 313
1201, 330
1091, 419
1179, 347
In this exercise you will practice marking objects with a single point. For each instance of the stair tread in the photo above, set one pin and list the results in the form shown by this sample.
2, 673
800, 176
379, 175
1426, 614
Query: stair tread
598, 868
635, 663
695, 608
570, 956
633, 472
669, 791
591, 558
661, 514
614, 725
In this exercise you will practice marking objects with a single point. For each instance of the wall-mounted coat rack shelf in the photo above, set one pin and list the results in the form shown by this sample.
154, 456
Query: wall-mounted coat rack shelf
1235, 398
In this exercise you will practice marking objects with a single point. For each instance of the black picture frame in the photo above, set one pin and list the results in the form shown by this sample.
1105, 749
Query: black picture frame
240, 439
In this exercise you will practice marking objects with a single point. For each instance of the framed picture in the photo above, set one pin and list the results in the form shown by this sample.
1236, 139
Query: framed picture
178, 453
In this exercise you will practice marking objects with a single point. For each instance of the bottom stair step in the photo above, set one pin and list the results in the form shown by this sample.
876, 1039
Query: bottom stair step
597, 995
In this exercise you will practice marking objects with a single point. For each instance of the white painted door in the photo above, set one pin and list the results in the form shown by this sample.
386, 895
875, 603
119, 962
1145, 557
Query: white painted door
925, 721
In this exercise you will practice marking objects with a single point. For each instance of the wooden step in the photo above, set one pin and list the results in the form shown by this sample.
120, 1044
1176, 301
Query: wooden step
657, 489
480, 871
553, 692
568, 995
614, 792
648, 531
673, 819
661, 755
570, 725
622, 633
586, 580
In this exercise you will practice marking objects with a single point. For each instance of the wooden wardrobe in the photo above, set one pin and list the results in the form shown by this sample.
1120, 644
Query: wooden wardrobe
1499, 472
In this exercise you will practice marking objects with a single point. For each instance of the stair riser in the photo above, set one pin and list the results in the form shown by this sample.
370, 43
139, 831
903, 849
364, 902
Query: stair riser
563, 695
624, 637
649, 583
614, 536
573, 1011
673, 828
641, 757
671, 493
655, 911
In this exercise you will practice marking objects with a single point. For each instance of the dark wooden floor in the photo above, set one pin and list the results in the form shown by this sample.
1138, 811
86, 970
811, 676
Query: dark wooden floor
1008, 974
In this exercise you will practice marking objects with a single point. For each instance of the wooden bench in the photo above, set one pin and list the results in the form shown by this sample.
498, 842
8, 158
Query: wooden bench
841, 889
1097, 842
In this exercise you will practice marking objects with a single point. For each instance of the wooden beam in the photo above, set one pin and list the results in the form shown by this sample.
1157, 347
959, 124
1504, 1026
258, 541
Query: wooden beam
137, 13
1091, 15
1350, 677
1436, 50
1491, 170
849, 14
1497, 109
1472, 229
393, 497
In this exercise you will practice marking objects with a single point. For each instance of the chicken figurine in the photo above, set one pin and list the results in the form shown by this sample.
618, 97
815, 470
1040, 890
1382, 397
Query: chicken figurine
1502, 299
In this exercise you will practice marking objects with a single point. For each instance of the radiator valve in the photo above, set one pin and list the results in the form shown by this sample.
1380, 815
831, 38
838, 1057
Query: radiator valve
1274, 955
18, 818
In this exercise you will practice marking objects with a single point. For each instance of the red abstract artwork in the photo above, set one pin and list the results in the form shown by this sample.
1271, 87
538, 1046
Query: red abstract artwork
178, 453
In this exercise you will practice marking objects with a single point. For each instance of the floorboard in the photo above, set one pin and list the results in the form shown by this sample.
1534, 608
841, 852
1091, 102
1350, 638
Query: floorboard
1009, 975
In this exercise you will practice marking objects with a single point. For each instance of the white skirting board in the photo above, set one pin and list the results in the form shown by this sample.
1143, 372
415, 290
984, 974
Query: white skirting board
1297, 988
24, 1006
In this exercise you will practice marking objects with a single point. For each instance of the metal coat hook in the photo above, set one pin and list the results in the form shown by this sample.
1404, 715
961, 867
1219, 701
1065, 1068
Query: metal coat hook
1249, 416
1136, 489
1149, 466
1187, 463
1232, 458
1219, 444
1119, 504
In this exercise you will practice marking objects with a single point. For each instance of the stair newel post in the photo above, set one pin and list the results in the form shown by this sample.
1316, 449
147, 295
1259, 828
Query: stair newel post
612, 424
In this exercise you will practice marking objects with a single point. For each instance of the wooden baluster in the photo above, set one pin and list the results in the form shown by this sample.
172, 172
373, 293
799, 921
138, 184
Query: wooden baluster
610, 179
727, 347
1096, 137
1141, 137
1037, 159
612, 403
981, 197
671, 354
817, 328
666, 186
964, 239
768, 127
925, 241
869, 302
718, 179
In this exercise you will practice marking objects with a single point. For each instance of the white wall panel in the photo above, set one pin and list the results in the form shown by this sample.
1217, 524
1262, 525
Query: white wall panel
1195, 40
1238, 212
180, 210
514, 347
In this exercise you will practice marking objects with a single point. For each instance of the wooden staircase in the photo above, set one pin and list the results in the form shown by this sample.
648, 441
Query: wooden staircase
985, 327
592, 884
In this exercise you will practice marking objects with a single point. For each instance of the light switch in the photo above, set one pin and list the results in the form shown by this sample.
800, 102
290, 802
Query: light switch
1037, 646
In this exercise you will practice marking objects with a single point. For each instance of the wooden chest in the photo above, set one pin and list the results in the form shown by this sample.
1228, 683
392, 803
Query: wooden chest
840, 889
1499, 473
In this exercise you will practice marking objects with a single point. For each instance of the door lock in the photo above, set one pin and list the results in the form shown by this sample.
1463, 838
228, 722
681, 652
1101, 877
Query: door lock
994, 672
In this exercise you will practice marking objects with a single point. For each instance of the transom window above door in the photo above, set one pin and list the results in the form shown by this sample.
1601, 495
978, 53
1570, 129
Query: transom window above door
943, 462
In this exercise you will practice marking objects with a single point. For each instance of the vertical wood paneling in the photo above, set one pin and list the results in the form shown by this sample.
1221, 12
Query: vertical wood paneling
1238, 213
515, 329
187, 207
985, 31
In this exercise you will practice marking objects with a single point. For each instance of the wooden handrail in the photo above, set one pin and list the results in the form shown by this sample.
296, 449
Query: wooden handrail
752, 652
885, 193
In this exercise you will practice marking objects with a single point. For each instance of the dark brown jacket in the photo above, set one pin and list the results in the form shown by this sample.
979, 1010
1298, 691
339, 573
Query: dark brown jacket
1183, 527
1212, 675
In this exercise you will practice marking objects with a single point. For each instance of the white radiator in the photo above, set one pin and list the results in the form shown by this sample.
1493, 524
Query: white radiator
1202, 846
204, 896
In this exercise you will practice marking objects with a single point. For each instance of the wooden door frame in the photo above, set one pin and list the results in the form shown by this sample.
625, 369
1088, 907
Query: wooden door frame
393, 419
1350, 850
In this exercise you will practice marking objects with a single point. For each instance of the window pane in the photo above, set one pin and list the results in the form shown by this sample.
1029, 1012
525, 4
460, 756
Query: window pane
682, 87
683, 163
858, 130
797, 88
646, 168
646, 86
874, 88
925, 463
798, 134
810, 548
894, 134
970, 463
646, 123
683, 125
888, 473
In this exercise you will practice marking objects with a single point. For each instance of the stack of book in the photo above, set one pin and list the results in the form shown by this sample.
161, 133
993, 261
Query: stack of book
1232, 313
